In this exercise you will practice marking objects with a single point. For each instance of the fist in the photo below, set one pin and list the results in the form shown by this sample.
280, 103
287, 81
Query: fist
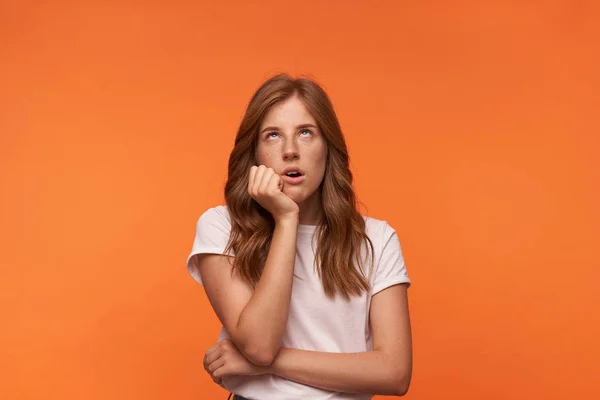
266, 187
224, 359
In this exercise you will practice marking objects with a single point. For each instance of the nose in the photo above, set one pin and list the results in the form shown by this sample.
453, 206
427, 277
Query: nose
290, 151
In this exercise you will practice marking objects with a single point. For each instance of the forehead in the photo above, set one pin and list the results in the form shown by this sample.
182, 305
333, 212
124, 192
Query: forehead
289, 112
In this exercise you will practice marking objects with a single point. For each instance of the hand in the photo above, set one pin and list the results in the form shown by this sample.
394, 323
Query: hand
224, 359
266, 187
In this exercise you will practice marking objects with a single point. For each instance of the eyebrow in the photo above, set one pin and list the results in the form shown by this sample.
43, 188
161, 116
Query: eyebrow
274, 128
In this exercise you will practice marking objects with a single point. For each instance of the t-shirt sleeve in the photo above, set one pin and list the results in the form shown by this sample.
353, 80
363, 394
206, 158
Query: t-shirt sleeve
391, 269
212, 234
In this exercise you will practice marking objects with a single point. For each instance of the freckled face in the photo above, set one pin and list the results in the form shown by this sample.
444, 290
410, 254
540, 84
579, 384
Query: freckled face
289, 137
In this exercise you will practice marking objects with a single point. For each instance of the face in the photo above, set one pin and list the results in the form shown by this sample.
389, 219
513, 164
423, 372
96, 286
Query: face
289, 137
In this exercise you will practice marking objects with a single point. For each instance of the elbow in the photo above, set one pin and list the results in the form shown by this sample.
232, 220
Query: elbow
402, 383
260, 355
401, 390
257, 351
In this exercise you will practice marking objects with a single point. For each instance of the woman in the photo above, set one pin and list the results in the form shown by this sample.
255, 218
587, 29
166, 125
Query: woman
311, 294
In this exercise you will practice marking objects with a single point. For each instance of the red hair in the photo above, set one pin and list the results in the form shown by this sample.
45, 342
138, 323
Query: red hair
341, 230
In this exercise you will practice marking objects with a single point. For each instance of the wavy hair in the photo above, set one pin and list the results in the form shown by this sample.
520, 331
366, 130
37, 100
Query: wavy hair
341, 230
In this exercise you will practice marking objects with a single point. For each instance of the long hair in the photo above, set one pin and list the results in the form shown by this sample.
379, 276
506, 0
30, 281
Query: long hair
341, 231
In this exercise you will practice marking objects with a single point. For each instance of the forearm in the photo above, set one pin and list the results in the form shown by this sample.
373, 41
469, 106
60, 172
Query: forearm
372, 372
263, 320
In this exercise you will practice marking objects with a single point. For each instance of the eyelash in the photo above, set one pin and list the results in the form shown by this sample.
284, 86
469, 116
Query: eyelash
273, 133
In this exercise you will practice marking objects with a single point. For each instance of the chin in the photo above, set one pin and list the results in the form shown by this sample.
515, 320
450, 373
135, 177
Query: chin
294, 195
297, 199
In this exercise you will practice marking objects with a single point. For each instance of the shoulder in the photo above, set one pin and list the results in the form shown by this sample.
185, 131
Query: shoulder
215, 217
219, 211
378, 230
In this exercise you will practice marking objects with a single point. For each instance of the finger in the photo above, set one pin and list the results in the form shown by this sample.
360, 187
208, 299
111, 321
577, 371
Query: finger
212, 348
257, 178
210, 351
212, 357
251, 178
215, 365
276, 182
264, 182
220, 372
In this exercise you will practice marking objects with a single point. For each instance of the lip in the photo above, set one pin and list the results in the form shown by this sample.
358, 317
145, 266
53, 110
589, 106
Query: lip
292, 168
289, 179
293, 181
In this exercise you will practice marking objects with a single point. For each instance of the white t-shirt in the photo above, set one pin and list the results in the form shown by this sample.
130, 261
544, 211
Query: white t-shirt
315, 322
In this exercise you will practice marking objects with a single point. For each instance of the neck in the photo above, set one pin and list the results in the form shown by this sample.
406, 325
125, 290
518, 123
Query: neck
310, 210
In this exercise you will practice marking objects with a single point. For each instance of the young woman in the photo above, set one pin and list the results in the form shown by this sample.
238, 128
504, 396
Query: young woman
311, 294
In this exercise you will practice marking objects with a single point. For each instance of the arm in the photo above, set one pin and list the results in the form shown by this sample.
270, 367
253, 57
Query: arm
386, 370
255, 319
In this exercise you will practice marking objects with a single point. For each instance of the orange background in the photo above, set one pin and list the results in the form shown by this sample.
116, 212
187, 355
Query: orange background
473, 129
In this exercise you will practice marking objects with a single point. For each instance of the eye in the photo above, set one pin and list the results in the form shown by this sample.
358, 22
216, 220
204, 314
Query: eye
306, 131
271, 133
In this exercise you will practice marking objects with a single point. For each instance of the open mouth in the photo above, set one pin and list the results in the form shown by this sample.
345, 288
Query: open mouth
293, 177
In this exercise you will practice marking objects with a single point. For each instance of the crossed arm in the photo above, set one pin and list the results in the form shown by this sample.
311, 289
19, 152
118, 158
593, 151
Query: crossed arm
254, 346
385, 370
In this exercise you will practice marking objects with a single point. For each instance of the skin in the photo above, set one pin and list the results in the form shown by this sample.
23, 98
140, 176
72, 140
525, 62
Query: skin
385, 370
289, 136
256, 317
284, 141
